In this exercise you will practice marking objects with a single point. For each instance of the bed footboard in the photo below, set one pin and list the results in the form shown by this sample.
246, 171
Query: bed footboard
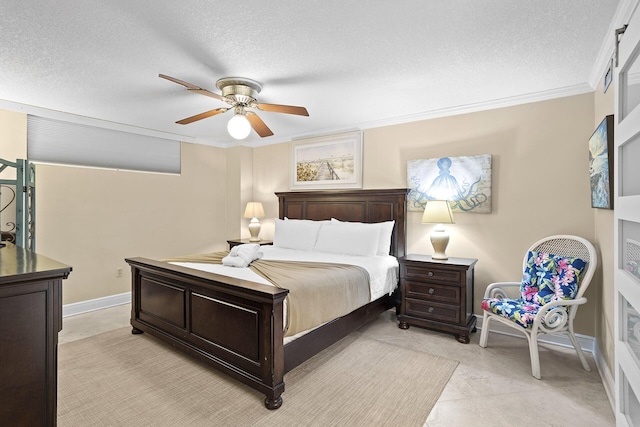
233, 325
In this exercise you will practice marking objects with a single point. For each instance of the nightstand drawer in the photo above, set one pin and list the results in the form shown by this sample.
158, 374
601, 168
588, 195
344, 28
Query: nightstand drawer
432, 292
432, 310
422, 272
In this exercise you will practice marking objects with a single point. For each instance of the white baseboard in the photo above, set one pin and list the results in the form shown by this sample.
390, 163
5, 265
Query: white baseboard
95, 304
605, 374
587, 343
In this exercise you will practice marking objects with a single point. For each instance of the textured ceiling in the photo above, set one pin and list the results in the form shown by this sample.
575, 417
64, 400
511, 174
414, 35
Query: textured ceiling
352, 64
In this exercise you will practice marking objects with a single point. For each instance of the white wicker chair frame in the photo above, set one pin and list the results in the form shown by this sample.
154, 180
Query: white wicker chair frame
555, 317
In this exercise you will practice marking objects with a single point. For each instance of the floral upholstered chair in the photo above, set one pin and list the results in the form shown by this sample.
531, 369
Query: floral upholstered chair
556, 272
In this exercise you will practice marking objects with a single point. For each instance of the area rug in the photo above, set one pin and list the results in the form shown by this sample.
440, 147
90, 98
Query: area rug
119, 379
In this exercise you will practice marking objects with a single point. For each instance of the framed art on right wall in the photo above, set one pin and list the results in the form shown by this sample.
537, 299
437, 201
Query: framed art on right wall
601, 164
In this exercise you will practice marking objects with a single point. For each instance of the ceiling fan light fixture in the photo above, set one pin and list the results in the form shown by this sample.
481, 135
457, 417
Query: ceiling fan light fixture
239, 127
239, 93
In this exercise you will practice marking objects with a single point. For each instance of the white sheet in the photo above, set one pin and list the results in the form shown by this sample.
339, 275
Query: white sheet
383, 270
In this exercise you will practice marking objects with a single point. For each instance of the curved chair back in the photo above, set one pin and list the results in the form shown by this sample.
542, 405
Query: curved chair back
569, 246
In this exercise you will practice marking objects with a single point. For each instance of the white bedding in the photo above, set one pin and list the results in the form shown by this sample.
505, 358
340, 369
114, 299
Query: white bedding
383, 270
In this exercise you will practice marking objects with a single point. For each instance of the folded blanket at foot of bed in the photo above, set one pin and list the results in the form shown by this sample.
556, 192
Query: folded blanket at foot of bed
318, 291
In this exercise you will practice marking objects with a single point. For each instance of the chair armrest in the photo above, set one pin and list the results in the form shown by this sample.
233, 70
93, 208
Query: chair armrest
555, 316
496, 290
560, 303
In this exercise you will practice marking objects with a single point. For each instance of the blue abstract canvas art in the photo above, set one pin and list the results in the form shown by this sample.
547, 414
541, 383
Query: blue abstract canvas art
464, 181
601, 164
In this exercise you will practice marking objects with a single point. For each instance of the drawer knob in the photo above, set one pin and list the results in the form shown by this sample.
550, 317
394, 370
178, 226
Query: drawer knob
431, 291
430, 273
430, 310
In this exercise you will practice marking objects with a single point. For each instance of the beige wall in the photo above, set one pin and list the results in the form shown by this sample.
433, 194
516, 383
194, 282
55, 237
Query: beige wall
540, 182
239, 190
13, 137
270, 174
604, 222
91, 219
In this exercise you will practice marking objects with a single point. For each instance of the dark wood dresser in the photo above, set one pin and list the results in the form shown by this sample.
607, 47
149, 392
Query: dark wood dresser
437, 294
30, 319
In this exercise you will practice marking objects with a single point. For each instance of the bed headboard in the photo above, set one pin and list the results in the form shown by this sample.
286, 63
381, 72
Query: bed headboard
351, 205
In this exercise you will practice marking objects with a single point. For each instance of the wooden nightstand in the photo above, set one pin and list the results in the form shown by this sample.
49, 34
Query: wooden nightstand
437, 294
236, 242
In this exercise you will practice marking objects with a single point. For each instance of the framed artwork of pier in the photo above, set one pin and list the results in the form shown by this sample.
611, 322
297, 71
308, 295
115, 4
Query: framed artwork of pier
327, 162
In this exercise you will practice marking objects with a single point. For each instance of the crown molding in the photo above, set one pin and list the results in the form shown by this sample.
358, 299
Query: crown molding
485, 105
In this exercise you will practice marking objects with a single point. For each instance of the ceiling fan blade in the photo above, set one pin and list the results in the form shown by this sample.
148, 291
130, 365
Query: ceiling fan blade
207, 93
192, 87
202, 116
258, 125
180, 82
288, 109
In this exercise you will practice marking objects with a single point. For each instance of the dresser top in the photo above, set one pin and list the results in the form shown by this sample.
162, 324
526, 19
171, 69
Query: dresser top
17, 264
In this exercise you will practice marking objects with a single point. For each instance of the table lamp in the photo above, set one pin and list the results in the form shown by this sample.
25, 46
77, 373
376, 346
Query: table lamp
438, 212
254, 211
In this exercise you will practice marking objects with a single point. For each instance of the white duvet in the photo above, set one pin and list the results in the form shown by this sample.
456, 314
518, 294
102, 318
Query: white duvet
383, 270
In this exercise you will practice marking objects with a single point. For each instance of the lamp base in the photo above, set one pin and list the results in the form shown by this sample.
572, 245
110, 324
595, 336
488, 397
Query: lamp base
439, 240
254, 230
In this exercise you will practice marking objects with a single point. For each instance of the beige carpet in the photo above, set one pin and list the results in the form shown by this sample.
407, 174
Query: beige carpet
120, 379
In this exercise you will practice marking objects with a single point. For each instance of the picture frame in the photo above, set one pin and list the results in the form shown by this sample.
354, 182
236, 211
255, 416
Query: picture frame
601, 164
327, 162
465, 181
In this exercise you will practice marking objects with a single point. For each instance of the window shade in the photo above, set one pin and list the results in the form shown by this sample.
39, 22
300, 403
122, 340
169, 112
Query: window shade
54, 141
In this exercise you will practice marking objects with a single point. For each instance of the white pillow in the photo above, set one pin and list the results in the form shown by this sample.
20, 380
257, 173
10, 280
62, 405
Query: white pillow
347, 240
326, 221
384, 241
296, 234
385, 229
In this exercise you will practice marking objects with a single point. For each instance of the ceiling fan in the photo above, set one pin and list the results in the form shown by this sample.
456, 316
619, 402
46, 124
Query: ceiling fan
240, 93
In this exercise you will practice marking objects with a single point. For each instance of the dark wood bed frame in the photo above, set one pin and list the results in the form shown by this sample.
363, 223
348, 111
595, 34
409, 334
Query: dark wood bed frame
235, 325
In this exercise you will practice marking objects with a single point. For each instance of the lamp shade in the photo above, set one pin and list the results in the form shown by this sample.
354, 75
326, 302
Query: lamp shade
437, 212
254, 210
